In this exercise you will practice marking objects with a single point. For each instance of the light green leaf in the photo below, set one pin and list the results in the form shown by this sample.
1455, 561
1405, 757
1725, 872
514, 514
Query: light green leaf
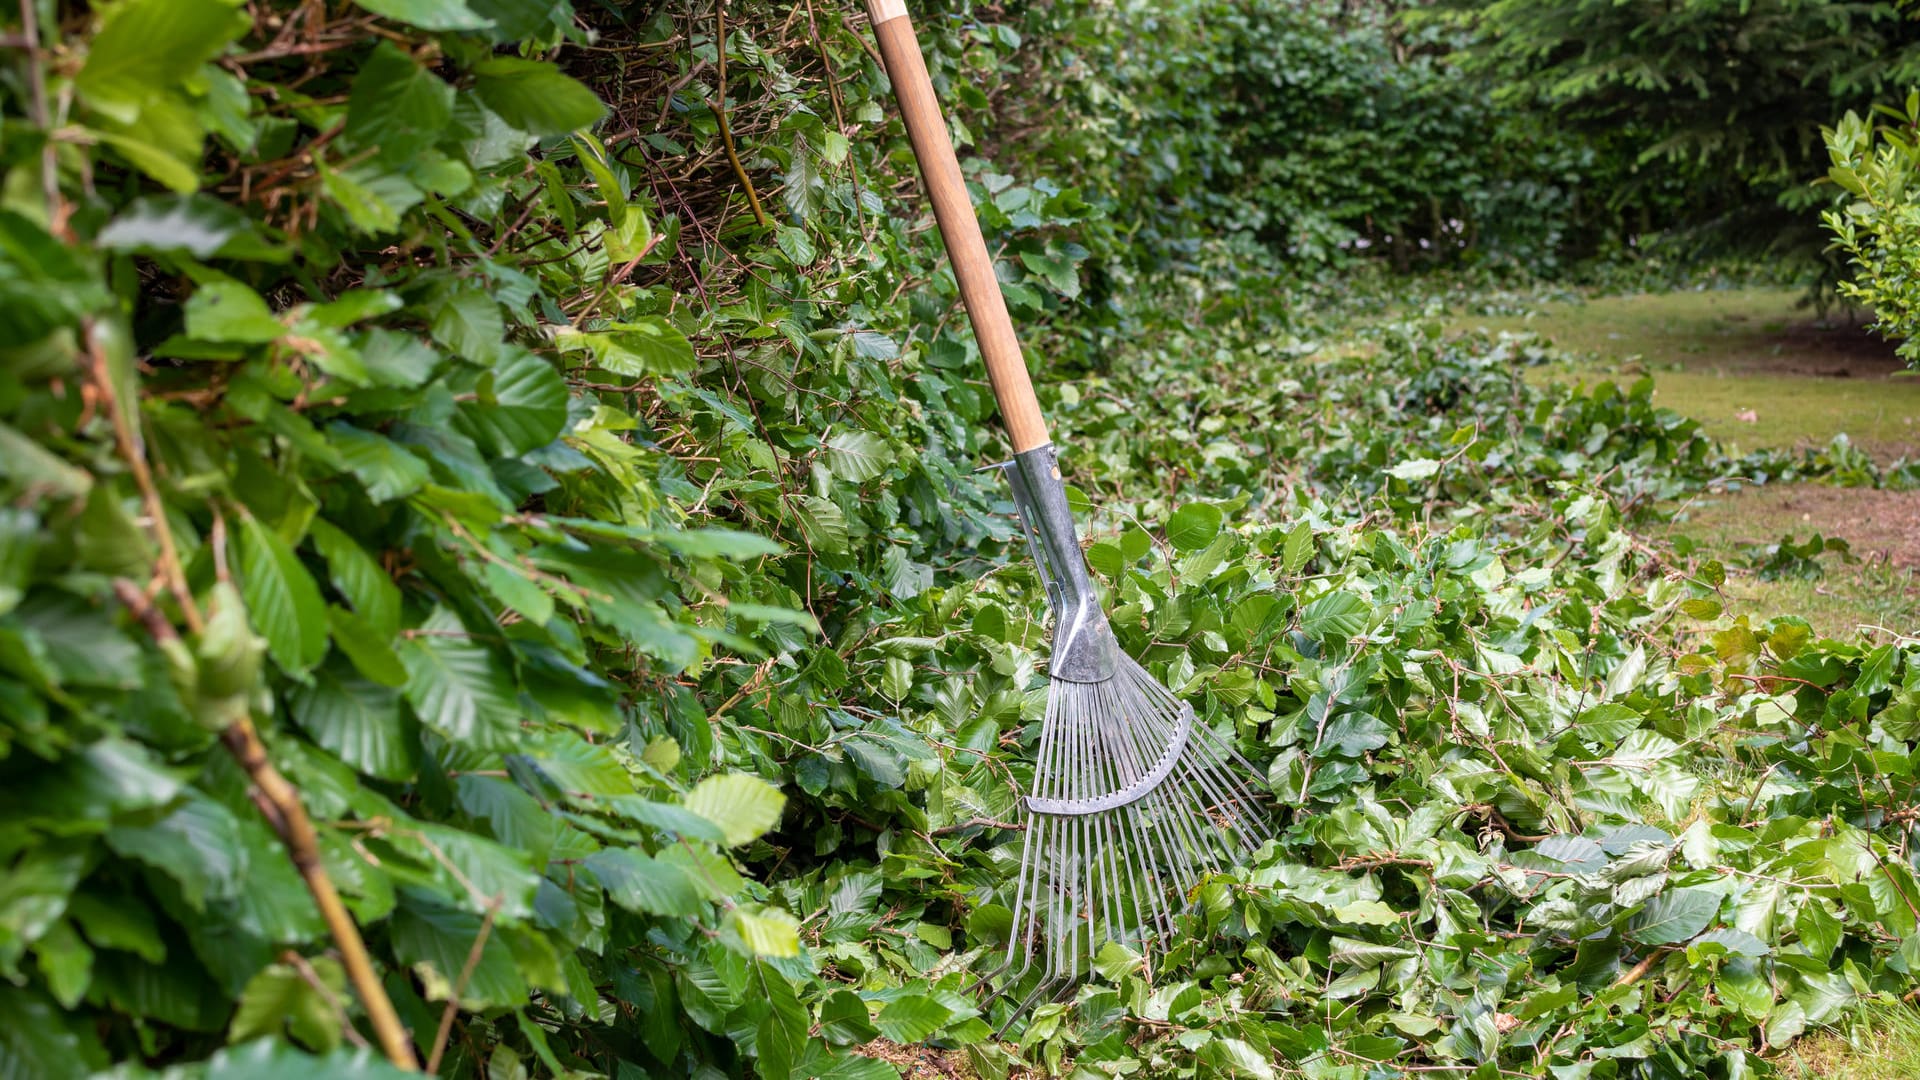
280, 997
1415, 469
148, 47
858, 456
226, 310
765, 931
649, 346
795, 245
744, 806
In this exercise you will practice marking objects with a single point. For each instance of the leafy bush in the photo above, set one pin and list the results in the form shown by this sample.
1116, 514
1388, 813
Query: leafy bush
410, 432
1878, 222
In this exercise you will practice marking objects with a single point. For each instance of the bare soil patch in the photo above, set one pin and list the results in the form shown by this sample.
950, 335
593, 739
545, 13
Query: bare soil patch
1878, 525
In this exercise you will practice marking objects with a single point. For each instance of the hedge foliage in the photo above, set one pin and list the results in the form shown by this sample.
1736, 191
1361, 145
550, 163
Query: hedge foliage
409, 423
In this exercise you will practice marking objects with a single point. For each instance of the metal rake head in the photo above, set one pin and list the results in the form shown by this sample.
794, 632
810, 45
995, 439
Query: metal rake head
1133, 801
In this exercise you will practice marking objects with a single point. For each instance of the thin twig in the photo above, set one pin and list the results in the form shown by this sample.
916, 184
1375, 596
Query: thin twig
720, 112
136, 459
36, 75
460, 985
312, 978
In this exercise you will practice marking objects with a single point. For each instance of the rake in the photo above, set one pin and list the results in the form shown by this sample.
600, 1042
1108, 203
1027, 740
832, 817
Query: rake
1133, 801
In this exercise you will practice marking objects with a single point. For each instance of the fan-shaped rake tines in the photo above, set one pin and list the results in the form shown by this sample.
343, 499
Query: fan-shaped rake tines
1133, 800
1133, 803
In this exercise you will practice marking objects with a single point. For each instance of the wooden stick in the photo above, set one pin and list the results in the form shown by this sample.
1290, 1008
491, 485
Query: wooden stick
720, 111
966, 248
279, 800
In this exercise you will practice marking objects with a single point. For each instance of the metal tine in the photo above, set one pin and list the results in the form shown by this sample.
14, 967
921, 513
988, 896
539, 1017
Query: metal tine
1150, 865
1141, 800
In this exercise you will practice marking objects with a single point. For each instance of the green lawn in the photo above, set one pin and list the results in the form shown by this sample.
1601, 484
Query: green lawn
1751, 365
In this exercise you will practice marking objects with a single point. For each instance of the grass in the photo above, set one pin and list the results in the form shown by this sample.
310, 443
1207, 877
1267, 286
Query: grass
1757, 371
1751, 365
1848, 596
1883, 1045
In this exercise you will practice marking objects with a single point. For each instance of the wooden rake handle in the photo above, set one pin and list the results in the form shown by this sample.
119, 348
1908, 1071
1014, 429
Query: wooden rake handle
967, 249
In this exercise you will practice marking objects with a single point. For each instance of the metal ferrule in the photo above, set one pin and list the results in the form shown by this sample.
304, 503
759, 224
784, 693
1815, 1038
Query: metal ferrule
1084, 650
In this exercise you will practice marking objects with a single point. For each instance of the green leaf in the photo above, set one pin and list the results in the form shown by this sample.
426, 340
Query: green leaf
457, 688
1337, 616
283, 603
1353, 734
66, 962
858, 456
667, 817
387, 470
373, 198
110, 924
44, 285
396, 107
744, 806
535, 96
795, 245
1674, 916
361, 579
270, 1057
515, 818
198, 844
649, 346
370, 651
765, 931
522, 406
280, 997
436, 941
782, 1033
1607, 723
1299, 549
845, 1021
428, 14
580, 768
150, 46
593, 157
1194, 526
911, 1018
40, 1042
195, 225
467, 321
226, 310
359, 721
824, 524
645, 885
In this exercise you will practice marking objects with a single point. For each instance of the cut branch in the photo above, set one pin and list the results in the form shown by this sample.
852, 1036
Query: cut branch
720, 112
279, 800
